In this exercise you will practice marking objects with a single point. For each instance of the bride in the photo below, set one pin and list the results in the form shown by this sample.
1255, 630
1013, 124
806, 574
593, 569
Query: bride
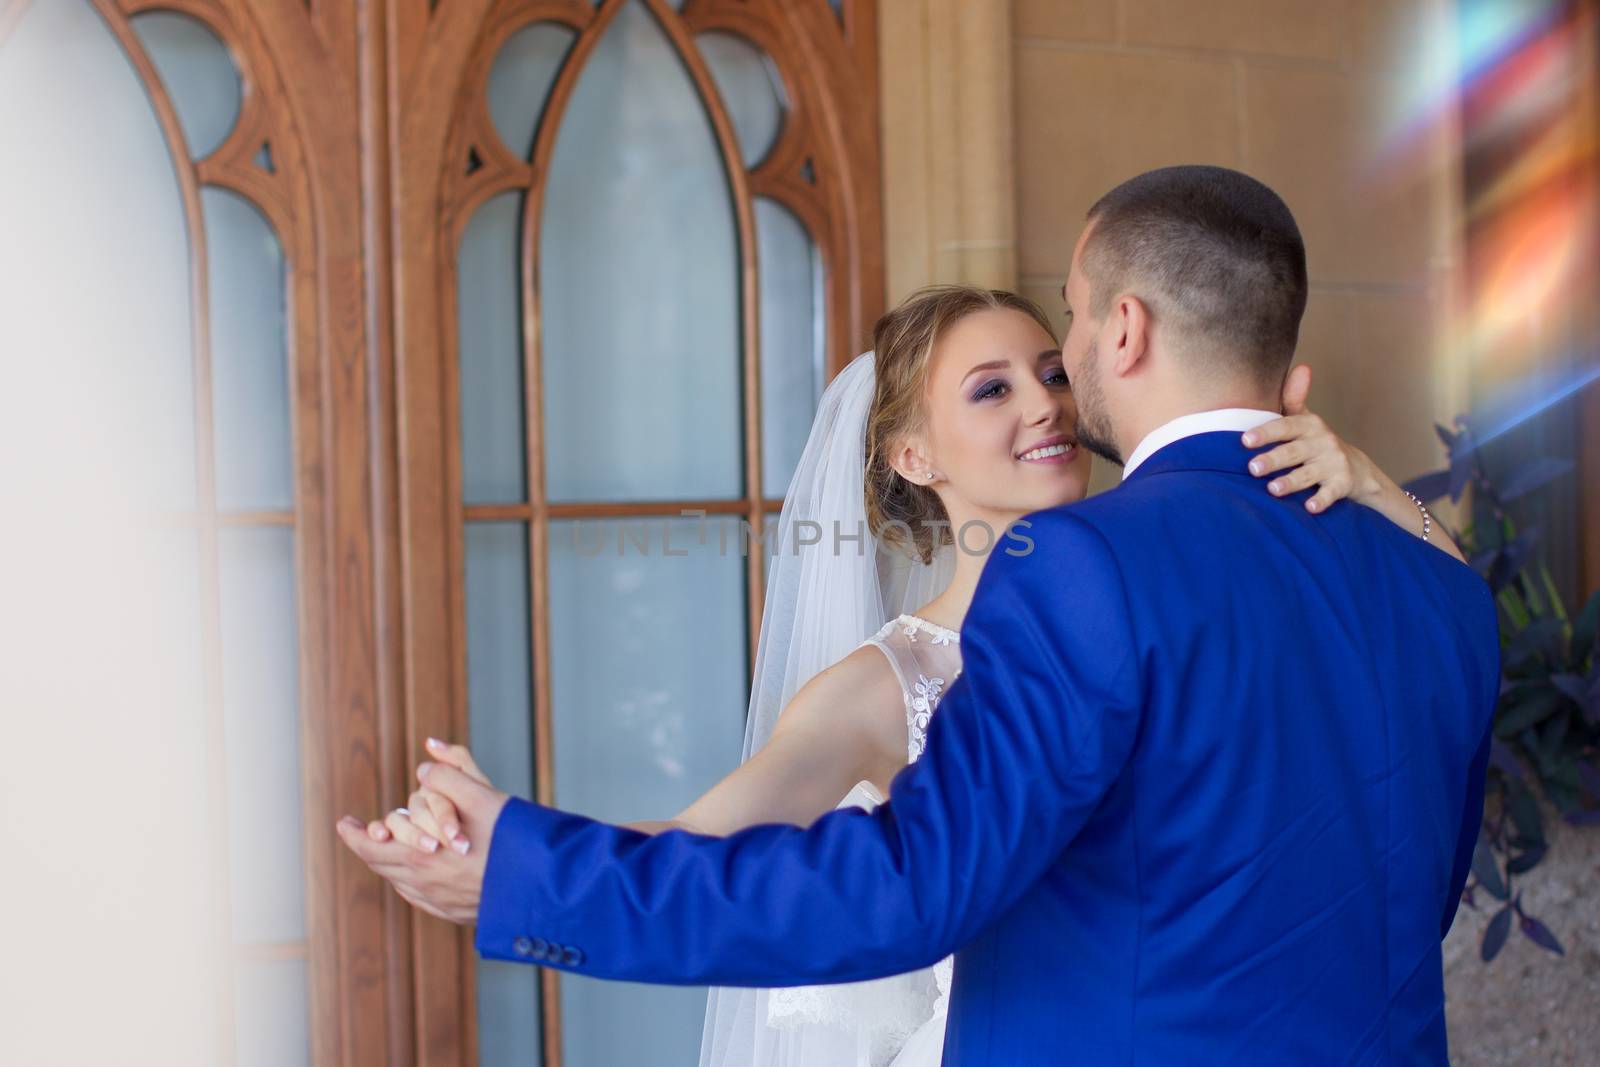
940, 441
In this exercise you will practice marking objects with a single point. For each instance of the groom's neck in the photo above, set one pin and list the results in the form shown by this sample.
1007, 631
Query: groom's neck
1155, 408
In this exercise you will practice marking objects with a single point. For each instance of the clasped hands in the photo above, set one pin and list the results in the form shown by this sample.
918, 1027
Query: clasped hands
435, 849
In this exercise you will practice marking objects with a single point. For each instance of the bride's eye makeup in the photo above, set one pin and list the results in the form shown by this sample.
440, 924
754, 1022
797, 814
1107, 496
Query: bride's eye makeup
1053, 376
992, 388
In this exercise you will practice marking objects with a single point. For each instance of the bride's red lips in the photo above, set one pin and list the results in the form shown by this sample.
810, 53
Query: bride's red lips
1048, 442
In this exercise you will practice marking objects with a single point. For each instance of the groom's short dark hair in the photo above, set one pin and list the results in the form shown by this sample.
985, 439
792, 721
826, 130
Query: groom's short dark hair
1211, 251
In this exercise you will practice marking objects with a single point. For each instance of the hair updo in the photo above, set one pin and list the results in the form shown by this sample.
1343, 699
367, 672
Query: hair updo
903, 343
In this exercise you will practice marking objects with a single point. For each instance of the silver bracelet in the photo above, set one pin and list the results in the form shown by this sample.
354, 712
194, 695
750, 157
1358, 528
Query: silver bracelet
1427, 519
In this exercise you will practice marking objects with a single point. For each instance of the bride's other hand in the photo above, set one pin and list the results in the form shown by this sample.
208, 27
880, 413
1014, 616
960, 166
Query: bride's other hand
429, 818
1340, 469
1311, 453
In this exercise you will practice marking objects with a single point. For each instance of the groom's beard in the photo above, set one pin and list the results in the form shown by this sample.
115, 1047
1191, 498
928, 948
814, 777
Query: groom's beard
1094, 428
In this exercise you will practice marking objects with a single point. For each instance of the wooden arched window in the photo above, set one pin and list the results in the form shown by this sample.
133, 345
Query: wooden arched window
640, 236
464, 340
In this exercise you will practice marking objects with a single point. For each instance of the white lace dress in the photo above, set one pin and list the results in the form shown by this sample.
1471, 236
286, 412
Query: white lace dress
888, 1022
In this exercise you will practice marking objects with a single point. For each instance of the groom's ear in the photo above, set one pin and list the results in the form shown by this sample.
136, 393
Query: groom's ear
1130, 320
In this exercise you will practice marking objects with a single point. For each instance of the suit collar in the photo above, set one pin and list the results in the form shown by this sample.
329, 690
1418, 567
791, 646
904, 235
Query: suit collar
1240, 419
1216, 451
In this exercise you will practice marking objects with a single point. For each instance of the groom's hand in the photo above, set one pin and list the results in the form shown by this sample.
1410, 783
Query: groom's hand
444, 883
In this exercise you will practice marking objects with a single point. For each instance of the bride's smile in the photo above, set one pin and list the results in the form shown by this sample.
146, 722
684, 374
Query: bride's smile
1055, 450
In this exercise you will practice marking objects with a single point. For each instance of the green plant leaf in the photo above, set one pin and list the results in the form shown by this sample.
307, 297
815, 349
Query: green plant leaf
1536, 473
1517, 715
1494, 938
1589, 775
1429, 487
1515, 611
1563, 796
1526, 861
1584, 692
1486, 870
1576, 688
1566, 769
1552, 735
1584, 631
1525, 814
1542, 637
1488, 531
1540, 935
1500, 756
1510, 562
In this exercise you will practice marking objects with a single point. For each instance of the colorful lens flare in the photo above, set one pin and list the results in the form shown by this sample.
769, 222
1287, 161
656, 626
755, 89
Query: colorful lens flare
1517, 86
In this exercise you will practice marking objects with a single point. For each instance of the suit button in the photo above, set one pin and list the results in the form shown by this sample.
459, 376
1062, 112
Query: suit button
522, 947
572, 957
541, 948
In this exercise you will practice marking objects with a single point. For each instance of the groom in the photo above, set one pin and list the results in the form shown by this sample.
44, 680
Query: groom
1172, 812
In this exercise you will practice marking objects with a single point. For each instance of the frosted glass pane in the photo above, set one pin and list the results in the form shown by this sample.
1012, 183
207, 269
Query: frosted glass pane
199, 76
95, 315
793, 341
750, 89
639, 284
272, 1014
520, 80
663, 1023
261, 728
249, 356
508, 1015
499, 668
500, 722
493, 449
648, 655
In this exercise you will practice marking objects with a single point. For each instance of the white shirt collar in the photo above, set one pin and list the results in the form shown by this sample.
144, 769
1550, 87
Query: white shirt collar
1235, 419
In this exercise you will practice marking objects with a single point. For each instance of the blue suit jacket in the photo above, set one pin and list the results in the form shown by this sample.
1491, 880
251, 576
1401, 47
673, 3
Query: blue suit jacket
1205, 792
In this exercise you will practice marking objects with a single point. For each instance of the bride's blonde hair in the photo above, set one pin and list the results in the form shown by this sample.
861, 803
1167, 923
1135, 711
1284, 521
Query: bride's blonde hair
903, 341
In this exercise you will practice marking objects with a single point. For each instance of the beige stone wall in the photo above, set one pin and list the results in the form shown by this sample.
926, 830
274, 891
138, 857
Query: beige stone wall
948, 154
1299, 93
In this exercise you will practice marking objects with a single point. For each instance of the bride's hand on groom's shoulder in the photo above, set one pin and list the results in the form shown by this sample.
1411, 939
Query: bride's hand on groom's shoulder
1310, 452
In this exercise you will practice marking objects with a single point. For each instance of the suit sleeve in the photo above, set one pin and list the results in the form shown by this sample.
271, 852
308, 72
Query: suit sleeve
1023, 747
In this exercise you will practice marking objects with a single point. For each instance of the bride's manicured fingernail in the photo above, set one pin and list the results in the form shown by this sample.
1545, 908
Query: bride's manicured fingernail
461, 845
434, 742
430, 845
